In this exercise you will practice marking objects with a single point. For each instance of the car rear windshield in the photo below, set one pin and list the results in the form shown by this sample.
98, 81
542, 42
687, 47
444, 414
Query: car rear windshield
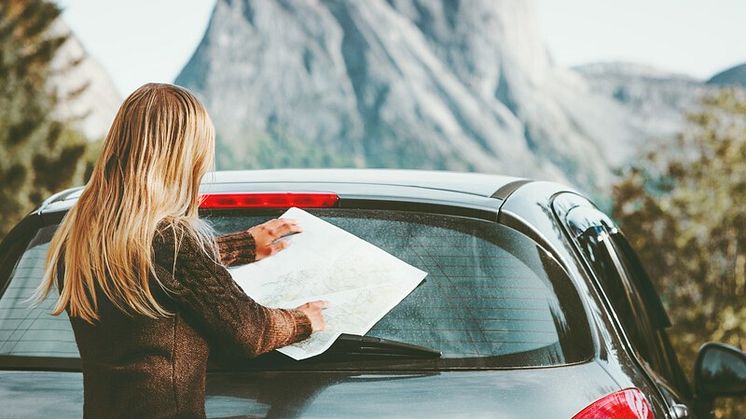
492, 296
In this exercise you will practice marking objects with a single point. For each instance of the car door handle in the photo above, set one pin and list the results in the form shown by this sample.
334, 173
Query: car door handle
679, 411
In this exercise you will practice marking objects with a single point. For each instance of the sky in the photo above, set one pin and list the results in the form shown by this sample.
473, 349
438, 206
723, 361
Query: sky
695, 37
141, 41
138, 41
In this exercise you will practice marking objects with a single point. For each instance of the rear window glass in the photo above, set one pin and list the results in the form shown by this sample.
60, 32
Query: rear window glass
27, 330
492, 297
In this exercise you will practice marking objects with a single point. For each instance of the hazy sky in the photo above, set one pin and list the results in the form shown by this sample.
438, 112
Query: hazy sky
696, 37
139, 41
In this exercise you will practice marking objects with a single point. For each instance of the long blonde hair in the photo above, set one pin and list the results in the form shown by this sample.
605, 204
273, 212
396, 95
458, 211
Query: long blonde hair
158, 148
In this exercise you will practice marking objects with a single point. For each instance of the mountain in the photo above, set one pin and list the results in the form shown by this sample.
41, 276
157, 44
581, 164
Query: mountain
732, 76
89, 98
433, 84
657, 100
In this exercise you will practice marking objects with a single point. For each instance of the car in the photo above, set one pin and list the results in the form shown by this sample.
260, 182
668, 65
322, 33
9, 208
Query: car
534, 306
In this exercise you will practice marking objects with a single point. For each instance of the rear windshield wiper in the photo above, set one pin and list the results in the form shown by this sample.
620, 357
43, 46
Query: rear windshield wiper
348, 344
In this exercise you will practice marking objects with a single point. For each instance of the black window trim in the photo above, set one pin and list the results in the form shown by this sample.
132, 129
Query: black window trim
642, 321
596, 219
652, 304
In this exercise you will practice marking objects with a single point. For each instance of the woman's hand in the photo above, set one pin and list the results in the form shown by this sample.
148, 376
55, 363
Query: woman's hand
313, 311
266, 235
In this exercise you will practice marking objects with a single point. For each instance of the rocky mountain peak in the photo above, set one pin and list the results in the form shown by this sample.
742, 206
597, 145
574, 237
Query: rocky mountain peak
442, 84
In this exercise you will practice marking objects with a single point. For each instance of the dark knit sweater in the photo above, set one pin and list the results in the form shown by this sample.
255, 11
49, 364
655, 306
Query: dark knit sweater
135, 366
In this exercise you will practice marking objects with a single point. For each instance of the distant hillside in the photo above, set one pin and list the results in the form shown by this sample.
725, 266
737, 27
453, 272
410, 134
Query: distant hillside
657, 99
732, 76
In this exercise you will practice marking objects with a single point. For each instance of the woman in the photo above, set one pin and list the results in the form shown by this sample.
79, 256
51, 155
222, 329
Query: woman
142, 278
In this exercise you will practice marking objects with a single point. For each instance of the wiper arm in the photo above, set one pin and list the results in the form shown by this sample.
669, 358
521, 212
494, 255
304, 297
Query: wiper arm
373, 346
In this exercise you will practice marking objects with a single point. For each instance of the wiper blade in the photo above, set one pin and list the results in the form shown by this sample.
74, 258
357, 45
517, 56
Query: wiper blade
349, 344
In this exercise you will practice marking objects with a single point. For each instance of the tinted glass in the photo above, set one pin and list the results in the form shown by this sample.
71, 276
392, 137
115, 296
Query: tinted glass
27, 330
491, 295
490, 292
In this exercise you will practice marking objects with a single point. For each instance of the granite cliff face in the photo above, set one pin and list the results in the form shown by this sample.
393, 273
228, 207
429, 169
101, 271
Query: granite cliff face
437, 84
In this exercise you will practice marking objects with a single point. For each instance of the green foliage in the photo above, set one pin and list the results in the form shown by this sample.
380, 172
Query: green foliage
684, 209
38, 154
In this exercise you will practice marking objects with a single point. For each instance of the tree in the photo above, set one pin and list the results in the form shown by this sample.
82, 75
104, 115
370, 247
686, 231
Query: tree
683, 207
38, 154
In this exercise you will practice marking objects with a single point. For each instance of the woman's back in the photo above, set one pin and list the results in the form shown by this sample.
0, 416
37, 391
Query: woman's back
144, 293
136, 366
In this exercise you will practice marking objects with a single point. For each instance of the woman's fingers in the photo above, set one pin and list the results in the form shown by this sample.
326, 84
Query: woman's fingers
318, 304
313, 309
282, 227
323, 304
267, 235
286, 227
278, 246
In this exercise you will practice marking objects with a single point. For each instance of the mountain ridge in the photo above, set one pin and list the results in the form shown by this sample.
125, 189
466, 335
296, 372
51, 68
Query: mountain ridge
400, 83
657, 100
731, 76
466, 86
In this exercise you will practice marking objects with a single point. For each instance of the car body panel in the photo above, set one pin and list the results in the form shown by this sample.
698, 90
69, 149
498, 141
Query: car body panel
533, 210
472, 194
563, 391
350, 180
39, 394
578, 214
469, 183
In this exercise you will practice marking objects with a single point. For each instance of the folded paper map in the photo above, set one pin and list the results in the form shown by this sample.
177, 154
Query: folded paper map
361, 281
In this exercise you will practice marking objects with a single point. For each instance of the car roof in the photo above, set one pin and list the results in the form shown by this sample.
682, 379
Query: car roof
394, 184
469, 183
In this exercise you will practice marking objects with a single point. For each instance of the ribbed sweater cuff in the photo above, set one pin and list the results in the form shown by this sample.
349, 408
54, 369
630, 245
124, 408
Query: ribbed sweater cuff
237, 248
303, 327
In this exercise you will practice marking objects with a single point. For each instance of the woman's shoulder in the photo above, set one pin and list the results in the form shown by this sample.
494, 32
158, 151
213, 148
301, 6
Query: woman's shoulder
166, 239
172, 241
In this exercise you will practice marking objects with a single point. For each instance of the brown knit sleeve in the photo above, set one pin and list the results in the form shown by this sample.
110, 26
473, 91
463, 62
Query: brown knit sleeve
237, 248
204, 291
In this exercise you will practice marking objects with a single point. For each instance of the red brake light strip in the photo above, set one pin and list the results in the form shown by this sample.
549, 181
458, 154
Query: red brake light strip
268, 200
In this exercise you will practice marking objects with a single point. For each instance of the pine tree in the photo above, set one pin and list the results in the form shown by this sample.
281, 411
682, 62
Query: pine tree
683, 207
38, 154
